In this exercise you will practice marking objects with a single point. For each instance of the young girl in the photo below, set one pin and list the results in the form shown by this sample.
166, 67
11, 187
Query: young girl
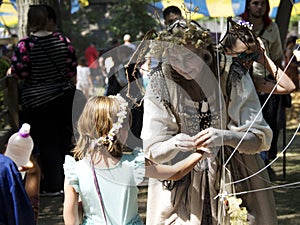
105, 178
83, 79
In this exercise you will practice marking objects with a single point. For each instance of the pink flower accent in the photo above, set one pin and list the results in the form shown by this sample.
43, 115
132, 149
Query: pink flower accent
25, 58
14, 58
61, 38
24, 74
31, 45
68, 40
71, 49
23, 49
70, 74
21, 44
20, 66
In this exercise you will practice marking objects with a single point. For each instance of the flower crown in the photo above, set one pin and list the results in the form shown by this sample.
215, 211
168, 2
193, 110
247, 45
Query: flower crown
240, 29
245, 24
108, 140
121, 116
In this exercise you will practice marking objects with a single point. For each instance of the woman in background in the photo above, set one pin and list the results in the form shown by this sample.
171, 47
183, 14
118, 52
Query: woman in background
46, 63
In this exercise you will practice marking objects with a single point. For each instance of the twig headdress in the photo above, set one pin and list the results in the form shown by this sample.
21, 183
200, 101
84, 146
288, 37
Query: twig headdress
181, 32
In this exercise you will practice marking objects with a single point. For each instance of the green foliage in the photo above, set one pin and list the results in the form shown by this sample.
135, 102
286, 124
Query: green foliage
4, 66
130, 16
102, 23
294, 21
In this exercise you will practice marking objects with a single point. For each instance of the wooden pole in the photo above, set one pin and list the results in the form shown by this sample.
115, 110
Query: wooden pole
282, 20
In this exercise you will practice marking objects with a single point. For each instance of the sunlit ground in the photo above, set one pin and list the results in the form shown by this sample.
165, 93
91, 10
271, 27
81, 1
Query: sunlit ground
288, 199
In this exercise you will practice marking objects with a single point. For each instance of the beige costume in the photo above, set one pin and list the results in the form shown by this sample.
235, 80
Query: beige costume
187, 202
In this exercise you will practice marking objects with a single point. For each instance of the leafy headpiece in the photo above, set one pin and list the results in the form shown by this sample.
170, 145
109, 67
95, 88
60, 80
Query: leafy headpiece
181, 32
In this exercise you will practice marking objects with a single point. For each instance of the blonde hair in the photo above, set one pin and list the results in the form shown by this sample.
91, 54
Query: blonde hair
94, 124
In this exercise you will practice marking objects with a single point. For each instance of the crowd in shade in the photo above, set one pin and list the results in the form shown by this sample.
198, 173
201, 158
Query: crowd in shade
197, 120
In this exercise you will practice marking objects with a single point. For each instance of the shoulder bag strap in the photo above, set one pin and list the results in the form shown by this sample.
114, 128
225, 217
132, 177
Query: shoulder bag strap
98, 190
262, 31
52, 61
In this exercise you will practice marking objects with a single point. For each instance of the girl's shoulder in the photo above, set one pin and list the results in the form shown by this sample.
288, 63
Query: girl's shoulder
72, 164
136, 160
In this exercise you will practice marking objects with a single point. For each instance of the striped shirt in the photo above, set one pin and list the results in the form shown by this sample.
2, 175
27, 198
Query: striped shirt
46, 64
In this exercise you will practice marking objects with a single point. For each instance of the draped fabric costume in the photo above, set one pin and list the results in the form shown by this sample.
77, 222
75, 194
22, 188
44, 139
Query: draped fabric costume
191, 200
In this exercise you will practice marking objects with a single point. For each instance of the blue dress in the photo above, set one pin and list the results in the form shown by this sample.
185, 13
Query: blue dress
15, 207
118, 187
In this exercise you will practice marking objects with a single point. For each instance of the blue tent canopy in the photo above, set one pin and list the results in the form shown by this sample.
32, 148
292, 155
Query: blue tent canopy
200, 8
216, 8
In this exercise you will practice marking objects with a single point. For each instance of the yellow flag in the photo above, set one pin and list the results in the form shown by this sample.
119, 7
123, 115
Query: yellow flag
84, 3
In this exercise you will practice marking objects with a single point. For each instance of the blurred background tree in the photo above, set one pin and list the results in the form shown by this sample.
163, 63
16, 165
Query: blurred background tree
130, 16
107, 22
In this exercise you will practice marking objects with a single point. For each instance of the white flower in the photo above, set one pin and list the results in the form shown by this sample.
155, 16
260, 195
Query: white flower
121, 116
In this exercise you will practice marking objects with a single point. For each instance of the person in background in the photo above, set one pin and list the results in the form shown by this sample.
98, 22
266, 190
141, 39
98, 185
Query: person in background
103, 168
51, 24
106, 62
292, 69
117, 78
121, 76
11, 47
83, 79
33, 174
235, 43
46, 96
91, 55
126, 39
15, 207
257, 13
32, 183
171, 14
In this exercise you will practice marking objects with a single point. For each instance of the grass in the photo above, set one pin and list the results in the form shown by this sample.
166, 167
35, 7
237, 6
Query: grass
288, 198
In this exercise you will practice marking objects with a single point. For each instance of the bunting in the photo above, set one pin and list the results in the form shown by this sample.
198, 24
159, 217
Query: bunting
219, 8
76, 4
8, 14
